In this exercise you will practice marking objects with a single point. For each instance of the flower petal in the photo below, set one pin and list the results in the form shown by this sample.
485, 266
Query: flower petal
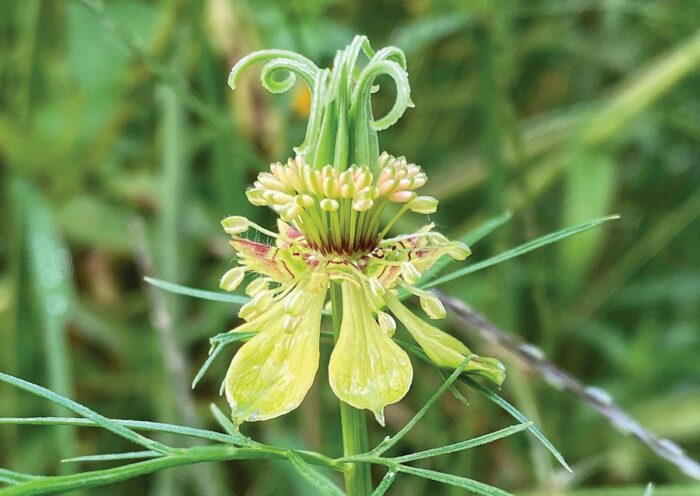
264, 259
367, 369
271, 373
442, 348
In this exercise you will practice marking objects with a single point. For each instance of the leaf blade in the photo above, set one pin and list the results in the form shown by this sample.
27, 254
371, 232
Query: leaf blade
521, 250
197, 293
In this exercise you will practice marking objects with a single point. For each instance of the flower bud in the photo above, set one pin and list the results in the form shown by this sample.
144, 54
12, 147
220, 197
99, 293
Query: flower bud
423, 205
235, 224
231, 279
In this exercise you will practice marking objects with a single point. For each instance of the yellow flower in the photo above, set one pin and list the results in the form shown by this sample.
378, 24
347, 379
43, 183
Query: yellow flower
331, 198
271, 373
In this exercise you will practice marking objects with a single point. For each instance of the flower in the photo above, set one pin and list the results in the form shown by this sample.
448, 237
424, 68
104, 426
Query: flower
271, 373
331, 231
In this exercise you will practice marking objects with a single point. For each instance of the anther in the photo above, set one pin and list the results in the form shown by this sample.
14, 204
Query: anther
424, 205
235, 224
410, 273
232, 278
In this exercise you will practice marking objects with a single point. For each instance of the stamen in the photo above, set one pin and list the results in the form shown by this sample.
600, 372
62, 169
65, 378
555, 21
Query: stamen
232, 278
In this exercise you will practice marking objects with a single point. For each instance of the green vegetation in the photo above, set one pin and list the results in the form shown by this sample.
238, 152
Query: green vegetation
122, 147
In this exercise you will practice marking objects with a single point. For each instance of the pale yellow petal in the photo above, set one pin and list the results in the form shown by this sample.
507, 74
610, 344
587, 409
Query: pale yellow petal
367, 369
271, 373
441, 348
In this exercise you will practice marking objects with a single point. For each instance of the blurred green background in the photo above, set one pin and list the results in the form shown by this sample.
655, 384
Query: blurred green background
121, 148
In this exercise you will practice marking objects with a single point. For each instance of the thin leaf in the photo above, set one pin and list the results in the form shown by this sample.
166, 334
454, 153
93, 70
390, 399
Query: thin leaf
133, 424
12, 477
84, 411
521, 250
389, 442
62, 483
455, 480
226, 423
386, 483
313, 476
517, 415
486, 228
469, 239
470, 443
131, 455
207, 363
197, 293
219, 342
465, 378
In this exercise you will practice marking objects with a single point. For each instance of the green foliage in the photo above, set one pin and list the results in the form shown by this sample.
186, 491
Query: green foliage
115, 115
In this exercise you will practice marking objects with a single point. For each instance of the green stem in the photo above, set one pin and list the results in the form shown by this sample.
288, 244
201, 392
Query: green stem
358, 479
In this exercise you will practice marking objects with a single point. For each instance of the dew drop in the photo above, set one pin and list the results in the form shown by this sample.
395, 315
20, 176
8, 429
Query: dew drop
671, 447
599, 395
555, 381
532, 351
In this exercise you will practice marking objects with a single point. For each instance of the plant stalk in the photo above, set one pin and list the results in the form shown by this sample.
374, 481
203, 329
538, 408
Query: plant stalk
358, 479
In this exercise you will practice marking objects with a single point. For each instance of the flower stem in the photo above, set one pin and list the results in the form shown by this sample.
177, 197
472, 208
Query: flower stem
358, 479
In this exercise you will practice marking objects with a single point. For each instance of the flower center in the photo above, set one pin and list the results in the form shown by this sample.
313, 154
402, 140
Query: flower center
340, 212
